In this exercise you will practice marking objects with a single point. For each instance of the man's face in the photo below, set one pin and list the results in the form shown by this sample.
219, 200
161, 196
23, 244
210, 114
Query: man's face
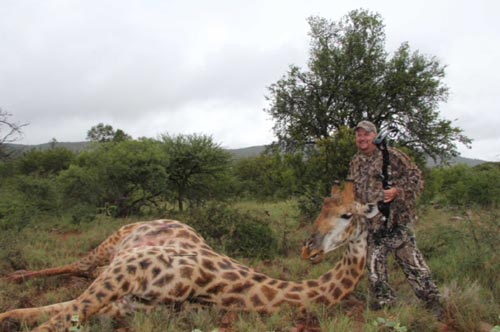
364, 141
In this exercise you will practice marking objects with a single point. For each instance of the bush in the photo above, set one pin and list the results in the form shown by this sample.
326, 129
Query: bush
266, 177
44, 162
462, 185
310, 202
25, 198
118, 177
234, 232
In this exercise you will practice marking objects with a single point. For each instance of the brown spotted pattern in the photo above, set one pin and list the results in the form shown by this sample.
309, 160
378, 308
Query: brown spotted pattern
167, 262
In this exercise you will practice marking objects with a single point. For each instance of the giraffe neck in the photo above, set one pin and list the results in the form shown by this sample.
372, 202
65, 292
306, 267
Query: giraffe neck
246, 289
346, 274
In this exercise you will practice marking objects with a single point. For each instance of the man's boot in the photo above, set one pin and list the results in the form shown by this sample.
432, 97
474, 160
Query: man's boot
435, 306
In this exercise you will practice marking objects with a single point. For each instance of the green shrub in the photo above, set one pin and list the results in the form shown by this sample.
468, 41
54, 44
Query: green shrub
311, 200
44, 163
24, 198
125, 176
265, 177
38, 192
462, 185
82, 213
234, 232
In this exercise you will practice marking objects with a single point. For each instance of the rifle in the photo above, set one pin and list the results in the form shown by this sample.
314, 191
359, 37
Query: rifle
381, 142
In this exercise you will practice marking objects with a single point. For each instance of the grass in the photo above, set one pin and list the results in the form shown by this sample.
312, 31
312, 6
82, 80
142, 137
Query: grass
462, 253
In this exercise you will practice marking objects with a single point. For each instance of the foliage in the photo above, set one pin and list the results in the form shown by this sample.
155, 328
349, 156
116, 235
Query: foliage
29, 188
267, 176
16, 210
308, 174
24, 198
462, 185
335, 154
282, 217
195, 166
467, 243
496, 328
389, 325
80, 186
41, 193
328, 162
467, 291
461, 248
105, 133
119, 177
44, 163
235, 232
350, 77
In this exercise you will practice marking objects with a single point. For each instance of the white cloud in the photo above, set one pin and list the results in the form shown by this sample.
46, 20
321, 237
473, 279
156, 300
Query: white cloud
203, 66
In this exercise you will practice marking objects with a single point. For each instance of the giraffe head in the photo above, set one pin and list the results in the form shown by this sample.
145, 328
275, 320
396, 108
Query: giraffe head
341, 220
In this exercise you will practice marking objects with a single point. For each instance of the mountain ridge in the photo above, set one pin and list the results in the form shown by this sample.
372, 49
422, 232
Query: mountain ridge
238, 153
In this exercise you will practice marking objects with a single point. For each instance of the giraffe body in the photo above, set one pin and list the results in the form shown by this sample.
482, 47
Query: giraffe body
167, 262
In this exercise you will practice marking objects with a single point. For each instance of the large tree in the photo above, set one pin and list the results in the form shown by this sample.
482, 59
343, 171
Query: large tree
351, 77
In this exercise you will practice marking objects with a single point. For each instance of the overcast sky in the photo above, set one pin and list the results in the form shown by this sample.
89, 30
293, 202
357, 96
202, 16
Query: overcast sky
203, 66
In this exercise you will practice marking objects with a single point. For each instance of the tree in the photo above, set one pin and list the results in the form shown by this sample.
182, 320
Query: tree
194, 165
350, 77
105, 133
121, 177
9, 131
266, 176
44, 162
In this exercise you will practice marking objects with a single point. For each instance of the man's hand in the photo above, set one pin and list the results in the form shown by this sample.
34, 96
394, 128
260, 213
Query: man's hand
390, 194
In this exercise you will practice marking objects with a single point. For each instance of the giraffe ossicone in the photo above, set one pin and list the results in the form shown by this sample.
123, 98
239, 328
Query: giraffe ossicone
167, 262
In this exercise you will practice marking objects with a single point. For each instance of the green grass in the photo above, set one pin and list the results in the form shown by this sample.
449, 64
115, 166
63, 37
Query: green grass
462, 253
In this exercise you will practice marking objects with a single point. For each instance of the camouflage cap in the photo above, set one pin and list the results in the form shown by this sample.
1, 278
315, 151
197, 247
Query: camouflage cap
366, 125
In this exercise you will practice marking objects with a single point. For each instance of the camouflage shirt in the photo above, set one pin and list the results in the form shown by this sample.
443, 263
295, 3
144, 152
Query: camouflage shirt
365, 171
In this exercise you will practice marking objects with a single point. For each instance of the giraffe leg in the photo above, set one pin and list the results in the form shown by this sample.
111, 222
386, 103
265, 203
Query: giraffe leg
23, 275
130, 274
32, 316
86, 266
123, 307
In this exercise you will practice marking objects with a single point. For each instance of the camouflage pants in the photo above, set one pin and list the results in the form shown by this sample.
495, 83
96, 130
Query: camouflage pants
401, 242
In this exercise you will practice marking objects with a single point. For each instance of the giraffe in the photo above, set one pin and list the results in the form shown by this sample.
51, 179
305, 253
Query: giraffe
167, 262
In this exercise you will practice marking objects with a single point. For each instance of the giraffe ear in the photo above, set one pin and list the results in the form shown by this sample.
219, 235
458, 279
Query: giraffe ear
348, 192
335, 189
371, 210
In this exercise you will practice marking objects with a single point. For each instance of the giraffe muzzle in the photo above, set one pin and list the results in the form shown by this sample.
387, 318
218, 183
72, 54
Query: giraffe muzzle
312, 254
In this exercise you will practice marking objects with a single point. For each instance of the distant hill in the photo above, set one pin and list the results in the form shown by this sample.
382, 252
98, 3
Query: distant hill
458, 161
72, 146
251, 151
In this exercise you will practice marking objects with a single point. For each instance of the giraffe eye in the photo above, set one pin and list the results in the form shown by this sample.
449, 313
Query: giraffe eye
346, 216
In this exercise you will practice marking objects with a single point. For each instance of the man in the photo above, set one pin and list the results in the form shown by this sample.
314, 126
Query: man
394, 234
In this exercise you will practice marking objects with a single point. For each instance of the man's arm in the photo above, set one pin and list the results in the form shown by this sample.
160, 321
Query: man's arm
406, 178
